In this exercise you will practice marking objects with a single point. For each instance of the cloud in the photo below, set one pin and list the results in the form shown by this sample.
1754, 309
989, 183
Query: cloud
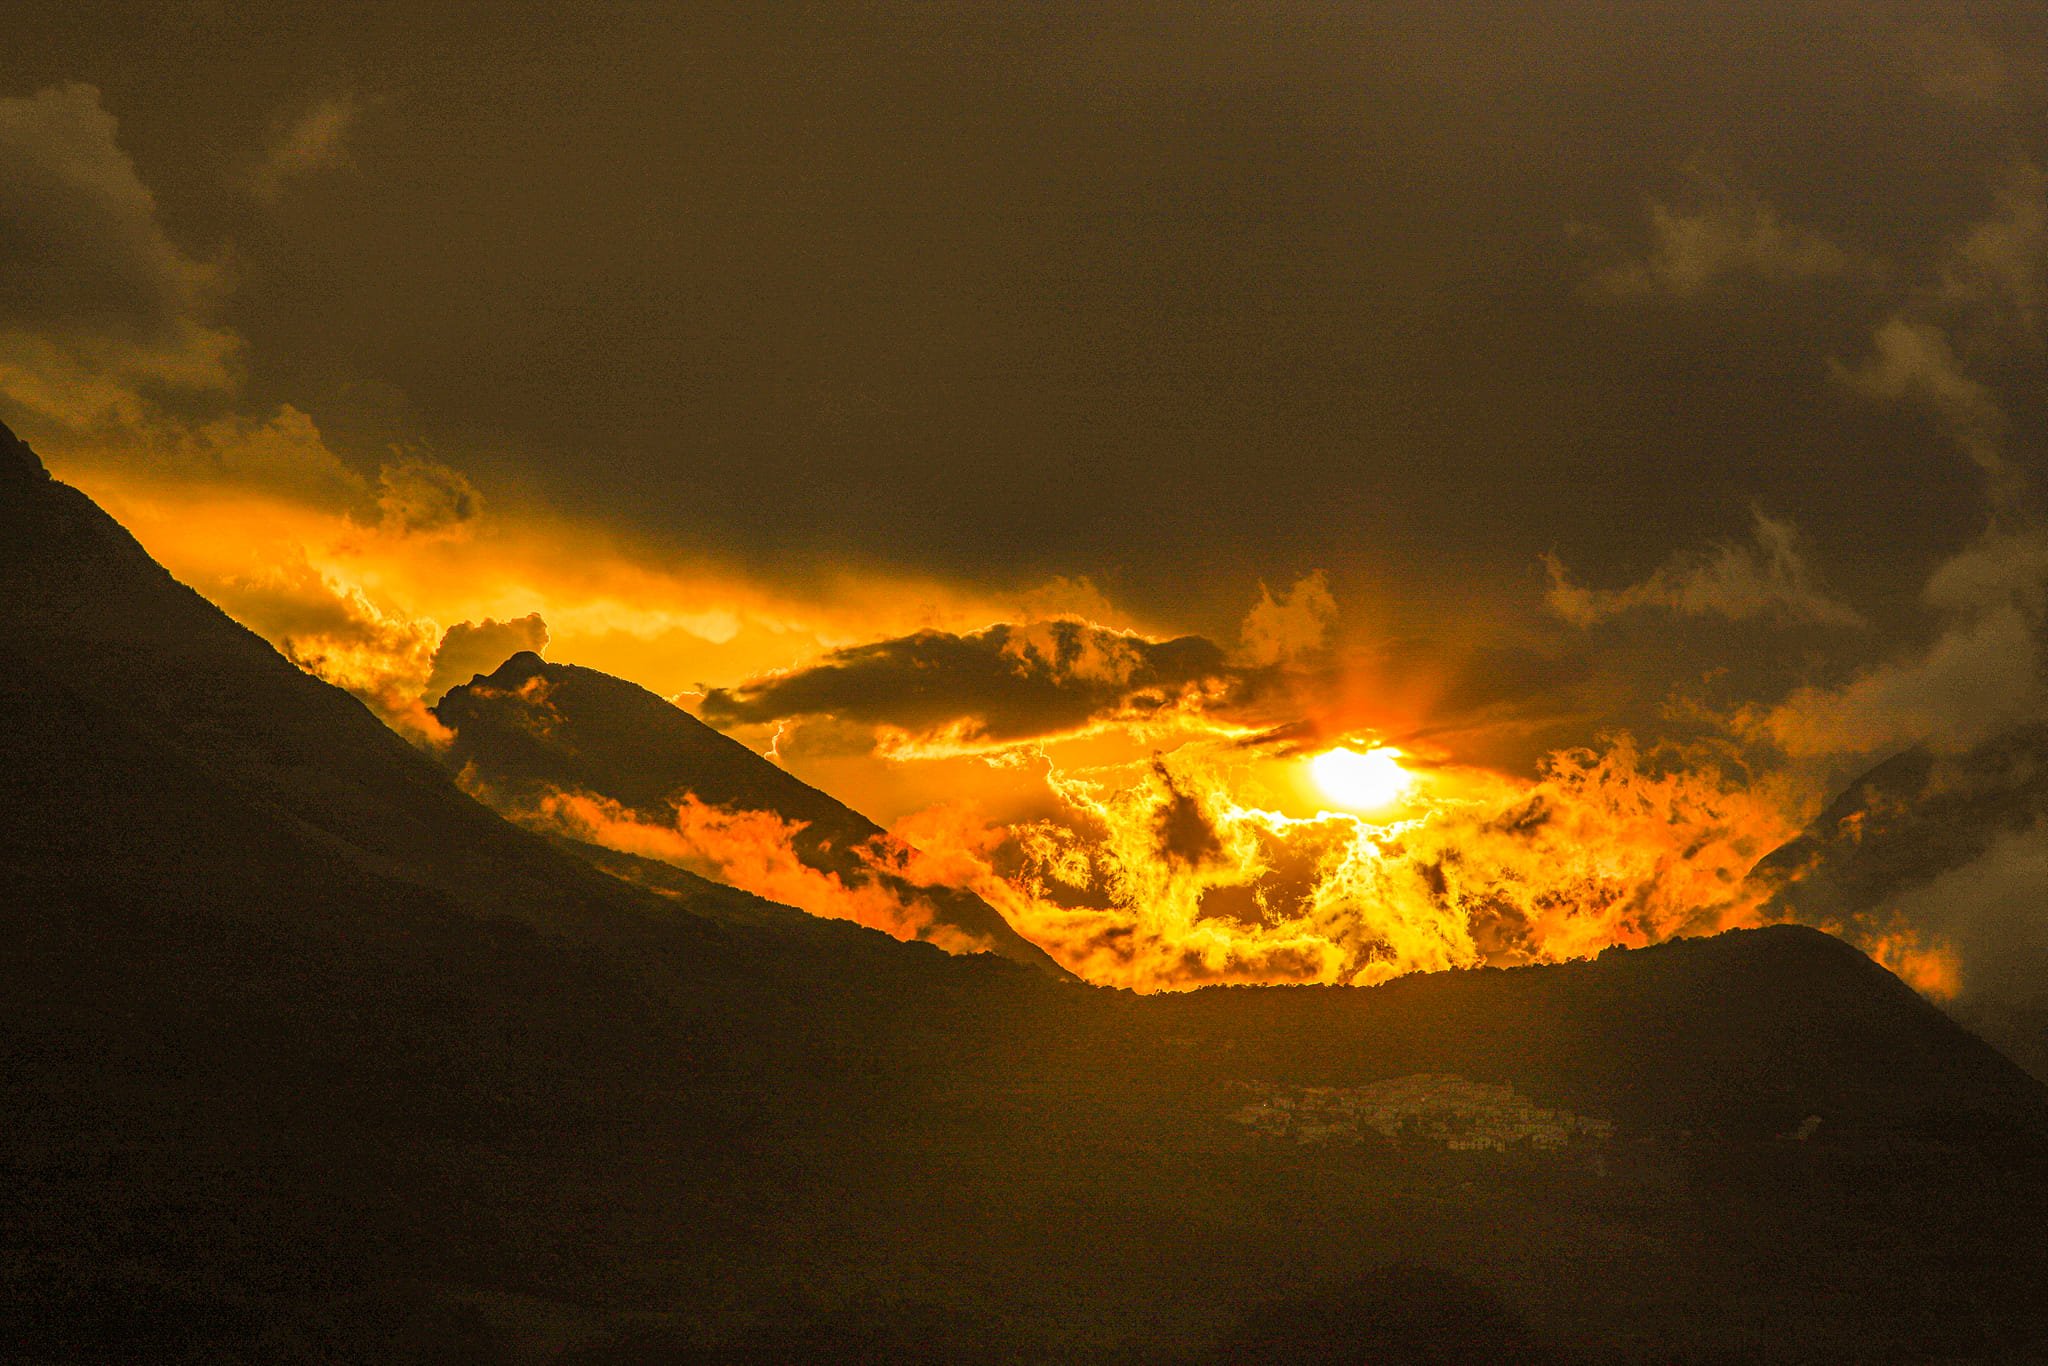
97, 307
1003, 684
1713, 229
1987, 293
109, 331
756, 852
316, 141
1980, 674
1974, 680
1912, 361
284, 452
1277, 631
420, 498
1984, 920
1981, 671
469, 648
332, 628
1768, 578
1165, 878
221, 520
1996, 274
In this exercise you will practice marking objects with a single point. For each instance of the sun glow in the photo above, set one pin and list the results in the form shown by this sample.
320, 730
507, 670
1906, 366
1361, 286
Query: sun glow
1362, 782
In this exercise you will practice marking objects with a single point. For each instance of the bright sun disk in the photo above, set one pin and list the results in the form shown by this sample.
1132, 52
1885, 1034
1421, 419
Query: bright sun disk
1363, 782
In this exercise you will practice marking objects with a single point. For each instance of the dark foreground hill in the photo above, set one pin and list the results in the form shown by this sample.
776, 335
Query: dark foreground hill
533, 729
305, 1056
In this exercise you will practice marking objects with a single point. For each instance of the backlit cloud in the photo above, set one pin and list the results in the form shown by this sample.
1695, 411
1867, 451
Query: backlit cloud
469, 648
1295, 624
419, 497
1165, 877
1000, 685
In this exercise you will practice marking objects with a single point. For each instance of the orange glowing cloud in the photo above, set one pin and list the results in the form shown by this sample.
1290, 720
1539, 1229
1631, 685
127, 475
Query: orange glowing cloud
362, 589
754, 851
1170, 879
1933, 969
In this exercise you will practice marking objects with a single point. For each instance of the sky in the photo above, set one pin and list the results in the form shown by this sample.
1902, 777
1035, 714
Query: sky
932, 393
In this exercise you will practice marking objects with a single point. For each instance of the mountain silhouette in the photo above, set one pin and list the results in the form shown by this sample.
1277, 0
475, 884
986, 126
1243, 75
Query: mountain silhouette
1907, 844
190, 710
305, 1055
1907, 821
531, 729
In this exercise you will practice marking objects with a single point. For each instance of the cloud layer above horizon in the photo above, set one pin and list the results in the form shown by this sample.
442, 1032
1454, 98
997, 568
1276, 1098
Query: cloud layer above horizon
932, 392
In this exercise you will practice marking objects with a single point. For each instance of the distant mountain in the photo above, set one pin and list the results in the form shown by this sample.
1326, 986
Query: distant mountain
1908, 845
1906, 822
532, 729
307, 1056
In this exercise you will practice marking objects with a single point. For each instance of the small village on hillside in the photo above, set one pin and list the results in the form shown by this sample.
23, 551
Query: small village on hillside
1435, 1108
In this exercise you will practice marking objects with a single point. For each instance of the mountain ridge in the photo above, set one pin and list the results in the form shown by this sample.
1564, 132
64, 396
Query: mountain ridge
1893, 856
530, 730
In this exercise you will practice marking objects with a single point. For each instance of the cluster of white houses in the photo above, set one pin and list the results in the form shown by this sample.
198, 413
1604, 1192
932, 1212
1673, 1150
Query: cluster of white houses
1434, 1108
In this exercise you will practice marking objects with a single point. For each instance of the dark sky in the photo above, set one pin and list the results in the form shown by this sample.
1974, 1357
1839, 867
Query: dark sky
1173, 297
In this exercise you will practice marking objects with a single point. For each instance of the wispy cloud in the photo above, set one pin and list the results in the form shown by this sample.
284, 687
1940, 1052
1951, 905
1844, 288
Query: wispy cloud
1980, 672
1766, 578
1711, 229
1984, 301
315, 141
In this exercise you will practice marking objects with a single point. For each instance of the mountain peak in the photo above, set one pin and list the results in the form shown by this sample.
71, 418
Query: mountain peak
18, 464
615, 739
519, 669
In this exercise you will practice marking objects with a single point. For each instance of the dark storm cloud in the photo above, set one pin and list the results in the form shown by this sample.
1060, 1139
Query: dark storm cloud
1177, 297
1003, 684
1282, 285
111, 332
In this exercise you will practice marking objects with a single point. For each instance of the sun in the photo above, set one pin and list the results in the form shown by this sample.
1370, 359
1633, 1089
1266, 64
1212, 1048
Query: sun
1363, 782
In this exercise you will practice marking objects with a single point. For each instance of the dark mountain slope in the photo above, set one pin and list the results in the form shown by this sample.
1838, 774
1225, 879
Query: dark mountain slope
1868, 866
531, 729
108, 632
284, 1082
1907, 821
